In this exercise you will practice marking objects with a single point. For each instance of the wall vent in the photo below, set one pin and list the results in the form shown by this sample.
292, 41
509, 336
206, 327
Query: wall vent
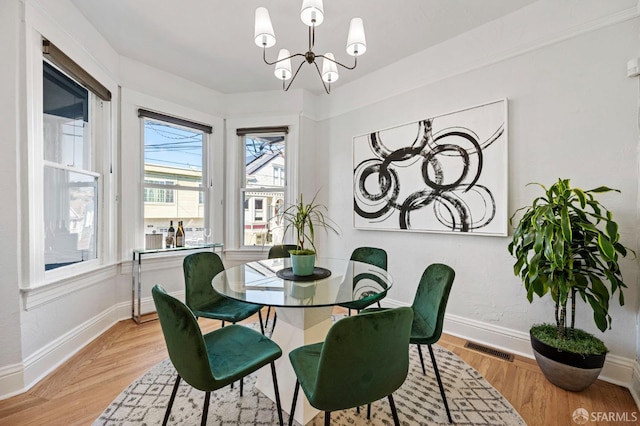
489, 351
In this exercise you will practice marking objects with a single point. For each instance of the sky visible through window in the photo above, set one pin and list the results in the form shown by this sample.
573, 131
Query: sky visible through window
172, 146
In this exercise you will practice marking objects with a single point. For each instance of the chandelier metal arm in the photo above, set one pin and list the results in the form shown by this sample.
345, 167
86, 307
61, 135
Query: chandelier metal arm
355, 62
264, 56
294, 75
328, 90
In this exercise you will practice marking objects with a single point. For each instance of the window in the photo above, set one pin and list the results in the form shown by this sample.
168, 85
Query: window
175, 170
278, 175
263, 189
158, 195
70, 182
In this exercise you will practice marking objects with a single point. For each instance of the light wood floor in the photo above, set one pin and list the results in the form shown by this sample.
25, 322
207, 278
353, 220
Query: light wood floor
78, 391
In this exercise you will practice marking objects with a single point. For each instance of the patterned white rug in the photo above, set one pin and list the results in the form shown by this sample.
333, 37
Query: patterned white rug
472, 400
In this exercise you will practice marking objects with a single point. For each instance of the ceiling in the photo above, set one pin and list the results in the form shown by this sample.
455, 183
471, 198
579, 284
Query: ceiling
211, 42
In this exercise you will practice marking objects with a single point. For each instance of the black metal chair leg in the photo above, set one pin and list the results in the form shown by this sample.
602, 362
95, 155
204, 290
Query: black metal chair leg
422, 360
275, 388
222, 323
369, 411
260, 319
327, 418
293, 404
394, 413
205, 410
444, 397
266, 321
275, 318
173, 397
241, 383
358, 409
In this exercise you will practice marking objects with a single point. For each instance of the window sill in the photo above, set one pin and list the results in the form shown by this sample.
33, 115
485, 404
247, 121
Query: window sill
36, 296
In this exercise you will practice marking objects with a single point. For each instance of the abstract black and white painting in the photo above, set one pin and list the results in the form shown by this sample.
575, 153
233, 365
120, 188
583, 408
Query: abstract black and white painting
446, 173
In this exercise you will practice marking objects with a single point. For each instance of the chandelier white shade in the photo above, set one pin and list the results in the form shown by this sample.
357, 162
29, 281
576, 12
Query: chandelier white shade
329, 68
264, 35
312, 12
283, 65
312, 15
356, 41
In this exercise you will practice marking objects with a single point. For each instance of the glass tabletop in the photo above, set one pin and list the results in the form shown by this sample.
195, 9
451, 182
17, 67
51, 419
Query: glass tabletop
258, 282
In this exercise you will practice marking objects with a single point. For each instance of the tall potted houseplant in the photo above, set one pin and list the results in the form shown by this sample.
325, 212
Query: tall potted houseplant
305, 220
566, 245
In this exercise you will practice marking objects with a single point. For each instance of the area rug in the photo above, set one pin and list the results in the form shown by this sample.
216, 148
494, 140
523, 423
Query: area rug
472, 400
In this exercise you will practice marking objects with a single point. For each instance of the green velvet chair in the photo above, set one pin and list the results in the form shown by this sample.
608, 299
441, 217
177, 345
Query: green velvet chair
199, 269
364, 358
278, 252
429, 306
373, 256
214, 360
281, 251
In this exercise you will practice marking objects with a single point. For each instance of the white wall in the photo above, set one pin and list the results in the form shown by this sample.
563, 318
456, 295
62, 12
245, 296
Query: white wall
42, 327
561, 64
10, 122
572, 114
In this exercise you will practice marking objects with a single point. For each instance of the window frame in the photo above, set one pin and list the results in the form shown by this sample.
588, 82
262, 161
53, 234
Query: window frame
102, 127
204, 189
235, 159
244, 189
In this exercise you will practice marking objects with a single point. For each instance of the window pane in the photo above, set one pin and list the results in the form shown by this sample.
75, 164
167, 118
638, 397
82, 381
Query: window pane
67, 135
265, 180
173, 157
70, 206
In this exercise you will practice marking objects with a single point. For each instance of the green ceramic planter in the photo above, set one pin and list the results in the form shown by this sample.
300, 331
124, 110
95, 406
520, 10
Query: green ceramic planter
303, 264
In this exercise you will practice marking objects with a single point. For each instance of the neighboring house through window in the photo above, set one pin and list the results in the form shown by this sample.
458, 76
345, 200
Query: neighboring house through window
264, 184
175, 172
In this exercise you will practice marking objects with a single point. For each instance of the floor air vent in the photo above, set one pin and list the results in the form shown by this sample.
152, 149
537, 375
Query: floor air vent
489, 351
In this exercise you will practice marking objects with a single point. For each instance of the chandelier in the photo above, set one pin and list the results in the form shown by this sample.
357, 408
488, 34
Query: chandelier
312, 14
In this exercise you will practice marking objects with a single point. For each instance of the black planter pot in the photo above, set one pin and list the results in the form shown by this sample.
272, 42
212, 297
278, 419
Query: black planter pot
567, 370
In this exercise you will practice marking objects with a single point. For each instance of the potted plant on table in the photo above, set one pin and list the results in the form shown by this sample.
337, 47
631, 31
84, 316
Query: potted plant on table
305, 219
567, 245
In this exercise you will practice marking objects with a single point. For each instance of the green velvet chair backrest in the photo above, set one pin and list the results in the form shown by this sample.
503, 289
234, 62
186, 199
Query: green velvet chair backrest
371, 255
364, 358
431, 298
280, 251
199, 270
184, 340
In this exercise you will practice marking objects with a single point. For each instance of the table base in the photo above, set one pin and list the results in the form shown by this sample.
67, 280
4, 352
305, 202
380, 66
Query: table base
295, 327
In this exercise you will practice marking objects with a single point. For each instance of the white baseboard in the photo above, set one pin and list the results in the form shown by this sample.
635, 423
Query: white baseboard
618, 370
19, 378
11, 381
146, 305
51, 356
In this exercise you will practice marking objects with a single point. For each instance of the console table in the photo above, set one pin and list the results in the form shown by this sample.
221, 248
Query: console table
136, 278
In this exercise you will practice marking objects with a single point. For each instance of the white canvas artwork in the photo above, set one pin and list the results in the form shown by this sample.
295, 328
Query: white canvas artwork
446, 173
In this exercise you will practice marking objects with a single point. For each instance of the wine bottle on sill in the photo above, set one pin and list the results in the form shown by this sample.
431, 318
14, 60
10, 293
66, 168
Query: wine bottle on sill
180, 235
171, 235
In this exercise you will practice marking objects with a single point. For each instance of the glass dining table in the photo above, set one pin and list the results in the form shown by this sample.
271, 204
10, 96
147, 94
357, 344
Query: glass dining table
303, 305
